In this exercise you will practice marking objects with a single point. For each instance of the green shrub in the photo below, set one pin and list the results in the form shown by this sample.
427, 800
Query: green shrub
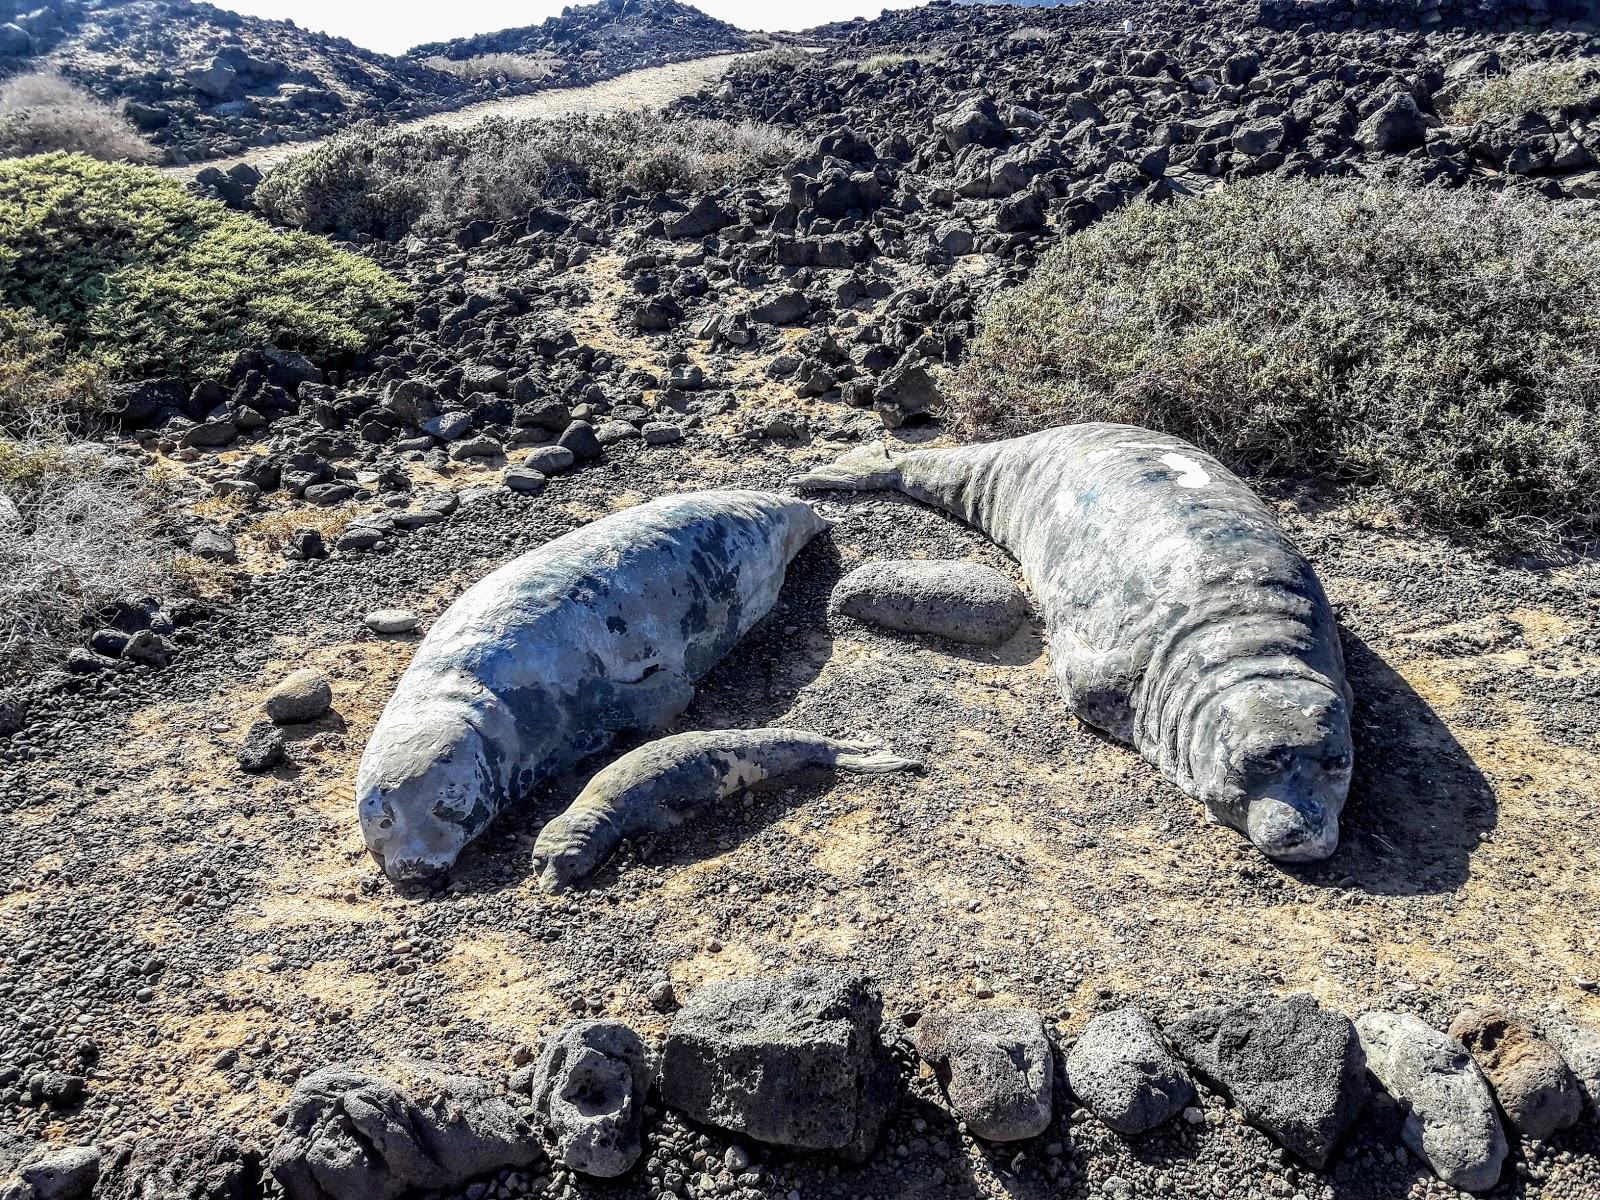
41, 112
437, 178
41, 389
136, 272
1540, 87
1443, 345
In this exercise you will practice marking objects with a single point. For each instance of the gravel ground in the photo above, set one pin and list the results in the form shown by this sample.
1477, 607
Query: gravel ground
216, 935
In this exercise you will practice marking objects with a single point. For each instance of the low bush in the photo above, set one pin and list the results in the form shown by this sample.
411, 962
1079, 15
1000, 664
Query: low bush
43, 392
144, 278
516, 68
1540, 87
436, 179
1442, 345
76, 533
41, 112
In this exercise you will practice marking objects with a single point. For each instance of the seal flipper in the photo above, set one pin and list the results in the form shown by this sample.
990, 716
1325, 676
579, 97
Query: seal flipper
1098, 684
868, 468
867, 759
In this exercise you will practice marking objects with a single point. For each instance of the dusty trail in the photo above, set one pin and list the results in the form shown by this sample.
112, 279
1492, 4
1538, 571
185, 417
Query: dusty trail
652, 87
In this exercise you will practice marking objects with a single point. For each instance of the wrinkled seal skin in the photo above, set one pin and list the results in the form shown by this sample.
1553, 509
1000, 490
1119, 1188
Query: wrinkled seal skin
1179, 617
663, 783
543, 662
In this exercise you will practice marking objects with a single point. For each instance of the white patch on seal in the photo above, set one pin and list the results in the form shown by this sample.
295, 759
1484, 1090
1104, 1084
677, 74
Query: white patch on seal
1190, 473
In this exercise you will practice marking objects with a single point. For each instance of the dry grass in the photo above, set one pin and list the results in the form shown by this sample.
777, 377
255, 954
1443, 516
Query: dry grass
1540, 87
41, 112
438, 179
75, 534
512, 68
1444, 346
879, 63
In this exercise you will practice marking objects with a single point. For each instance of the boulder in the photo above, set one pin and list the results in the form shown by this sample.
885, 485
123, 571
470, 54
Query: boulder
589, 1091
996, 1068
525, 479
15, 41
781, 308
908, 394
262, 749
579, 438
65, 1174
1535, 1087
1293, 1068
391, 620
792, 1061
215, 81
1579, 1045
349, 1135
974, 123
1399, 125
301, 696
215, 545
1451, 1122
961, 601
1125, 1075
706, 217
549, 460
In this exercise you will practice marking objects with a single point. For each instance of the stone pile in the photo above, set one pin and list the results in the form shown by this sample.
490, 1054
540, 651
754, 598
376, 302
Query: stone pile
804, 1063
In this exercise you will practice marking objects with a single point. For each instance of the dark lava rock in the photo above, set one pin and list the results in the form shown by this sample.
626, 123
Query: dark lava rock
1294, 1068
589, 1093
351, 1136
791, 1061
262, 749
996, 1067
1124, 1073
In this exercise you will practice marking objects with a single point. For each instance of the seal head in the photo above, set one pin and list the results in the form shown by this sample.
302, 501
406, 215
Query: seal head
425, 794
1281, 760
571, 846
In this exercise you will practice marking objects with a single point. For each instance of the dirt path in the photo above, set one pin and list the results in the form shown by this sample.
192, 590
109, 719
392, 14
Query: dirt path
653, 87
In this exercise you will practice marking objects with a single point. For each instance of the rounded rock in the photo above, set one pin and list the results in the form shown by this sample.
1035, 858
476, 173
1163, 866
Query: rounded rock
392, 620
303, 695
959, 601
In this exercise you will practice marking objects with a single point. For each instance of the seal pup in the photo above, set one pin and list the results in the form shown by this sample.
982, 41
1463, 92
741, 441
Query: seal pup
1178, 616
665, 782
541, 663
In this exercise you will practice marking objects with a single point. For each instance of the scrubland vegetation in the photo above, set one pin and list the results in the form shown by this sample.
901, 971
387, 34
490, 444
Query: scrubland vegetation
146, 279
40, 112
435, 179
1443, 346
515, 68
1545, 86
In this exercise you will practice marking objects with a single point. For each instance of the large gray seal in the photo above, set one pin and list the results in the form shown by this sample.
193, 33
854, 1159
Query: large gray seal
663, 783
541, 663
1179, 617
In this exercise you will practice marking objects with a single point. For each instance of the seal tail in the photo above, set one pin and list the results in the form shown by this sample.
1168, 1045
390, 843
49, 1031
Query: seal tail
867, 759
864, 469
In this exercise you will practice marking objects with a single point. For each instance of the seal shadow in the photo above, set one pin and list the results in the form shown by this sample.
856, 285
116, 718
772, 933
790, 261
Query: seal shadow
755, 683
1419, 806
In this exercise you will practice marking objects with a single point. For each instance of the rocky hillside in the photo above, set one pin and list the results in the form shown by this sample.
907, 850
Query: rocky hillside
606, 38
203, 82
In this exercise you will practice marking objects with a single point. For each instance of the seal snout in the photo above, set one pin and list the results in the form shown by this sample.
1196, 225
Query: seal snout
1302, 830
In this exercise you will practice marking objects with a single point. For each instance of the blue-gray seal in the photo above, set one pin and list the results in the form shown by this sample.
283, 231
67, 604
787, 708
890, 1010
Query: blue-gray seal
543, 662
1179, 617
